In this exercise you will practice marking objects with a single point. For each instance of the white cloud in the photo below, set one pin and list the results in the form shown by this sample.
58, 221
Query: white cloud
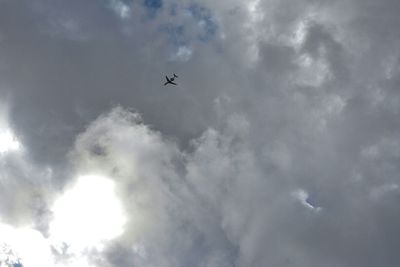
28, 246
184, 53
303, 197
87, 215
8, 141
121, 9
84, 219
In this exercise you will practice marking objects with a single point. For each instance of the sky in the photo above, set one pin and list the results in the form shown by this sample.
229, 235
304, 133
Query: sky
280, 145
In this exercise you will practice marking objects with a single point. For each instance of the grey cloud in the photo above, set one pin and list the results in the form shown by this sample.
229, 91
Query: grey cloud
224, 196
209, 170
68, 82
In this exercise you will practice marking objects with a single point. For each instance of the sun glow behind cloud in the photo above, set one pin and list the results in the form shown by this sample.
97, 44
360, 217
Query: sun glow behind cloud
87, 215
8, 142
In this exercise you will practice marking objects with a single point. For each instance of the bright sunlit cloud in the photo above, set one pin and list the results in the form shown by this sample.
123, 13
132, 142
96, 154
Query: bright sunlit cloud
8, 142
25, 246
121, 9
87, 215
303, 197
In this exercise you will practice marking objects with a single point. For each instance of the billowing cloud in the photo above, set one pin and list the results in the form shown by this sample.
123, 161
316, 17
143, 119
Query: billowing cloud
278, 147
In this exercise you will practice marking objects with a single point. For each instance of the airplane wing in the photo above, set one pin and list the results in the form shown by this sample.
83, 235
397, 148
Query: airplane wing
173, 83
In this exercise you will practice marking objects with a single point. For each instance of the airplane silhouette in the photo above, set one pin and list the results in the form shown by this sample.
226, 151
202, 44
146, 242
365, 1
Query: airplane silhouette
171, 80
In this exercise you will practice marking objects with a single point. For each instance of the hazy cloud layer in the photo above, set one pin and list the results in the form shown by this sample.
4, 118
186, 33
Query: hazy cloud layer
280, 146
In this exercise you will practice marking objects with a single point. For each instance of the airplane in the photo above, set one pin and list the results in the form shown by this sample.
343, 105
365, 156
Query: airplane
171, 80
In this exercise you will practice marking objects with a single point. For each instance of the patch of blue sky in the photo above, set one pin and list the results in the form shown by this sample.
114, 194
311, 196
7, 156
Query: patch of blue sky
173, 9
152, 7
127, 2
176, 34
311, 201
205, 20
179, 41
153, 4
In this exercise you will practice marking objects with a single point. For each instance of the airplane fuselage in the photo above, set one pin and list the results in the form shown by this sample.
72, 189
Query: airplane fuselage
170, 80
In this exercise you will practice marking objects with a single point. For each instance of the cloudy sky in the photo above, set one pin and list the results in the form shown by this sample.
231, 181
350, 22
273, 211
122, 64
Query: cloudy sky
279, 147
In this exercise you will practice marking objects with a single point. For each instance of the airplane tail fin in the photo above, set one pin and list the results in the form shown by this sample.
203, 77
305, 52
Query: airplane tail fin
176, 76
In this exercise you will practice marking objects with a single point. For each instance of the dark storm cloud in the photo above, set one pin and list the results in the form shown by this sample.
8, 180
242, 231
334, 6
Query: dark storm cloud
279, 147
